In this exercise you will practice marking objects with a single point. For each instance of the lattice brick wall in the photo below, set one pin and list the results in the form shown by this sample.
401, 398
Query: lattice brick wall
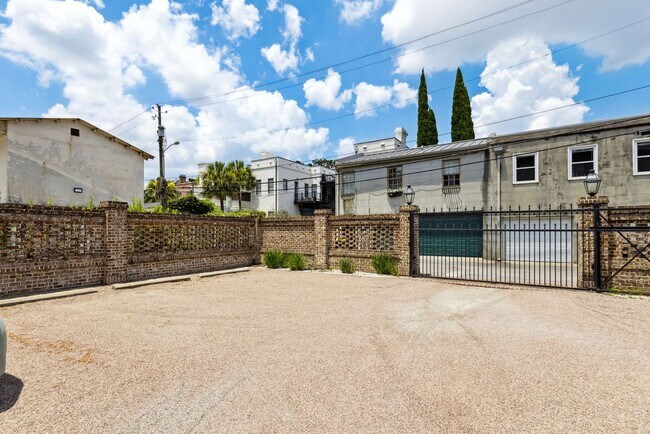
177, 235
46, 248
45, 234
376, 234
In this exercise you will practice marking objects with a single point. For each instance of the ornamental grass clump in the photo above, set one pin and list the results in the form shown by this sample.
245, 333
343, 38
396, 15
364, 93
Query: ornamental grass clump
384, 264
296, 262
274, 259
347, 266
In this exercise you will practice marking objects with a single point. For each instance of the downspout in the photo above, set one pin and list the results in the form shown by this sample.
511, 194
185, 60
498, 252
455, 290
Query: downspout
275, 187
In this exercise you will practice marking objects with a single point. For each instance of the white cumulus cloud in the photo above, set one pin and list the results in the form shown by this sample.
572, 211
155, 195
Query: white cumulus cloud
535, 86
326, 93
286, 57
566, 24
354, 11
345, 147
236, 17
98, 61
370, 96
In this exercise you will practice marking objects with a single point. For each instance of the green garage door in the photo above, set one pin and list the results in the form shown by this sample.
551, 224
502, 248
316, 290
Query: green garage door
451, 234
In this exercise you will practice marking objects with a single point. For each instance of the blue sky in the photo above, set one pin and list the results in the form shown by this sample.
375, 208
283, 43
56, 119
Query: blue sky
108, 61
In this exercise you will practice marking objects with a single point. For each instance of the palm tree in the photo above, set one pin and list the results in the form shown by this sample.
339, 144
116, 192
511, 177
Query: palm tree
218, 181
152, 192
243, 176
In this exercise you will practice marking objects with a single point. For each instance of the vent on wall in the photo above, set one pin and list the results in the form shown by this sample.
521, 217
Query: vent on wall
74, 132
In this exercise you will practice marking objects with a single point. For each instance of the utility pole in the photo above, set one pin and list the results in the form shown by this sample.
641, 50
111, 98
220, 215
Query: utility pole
161, 157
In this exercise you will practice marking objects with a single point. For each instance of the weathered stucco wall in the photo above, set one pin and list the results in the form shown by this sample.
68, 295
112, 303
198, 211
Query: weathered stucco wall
556, 189
46, 163
425, 177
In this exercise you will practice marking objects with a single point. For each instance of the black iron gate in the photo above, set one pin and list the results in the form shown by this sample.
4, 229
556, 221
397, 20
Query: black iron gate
518, 246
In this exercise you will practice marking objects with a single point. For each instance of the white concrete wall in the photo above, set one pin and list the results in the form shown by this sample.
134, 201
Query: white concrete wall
265, 168
45, 164
4, 159
286, 169
372, 184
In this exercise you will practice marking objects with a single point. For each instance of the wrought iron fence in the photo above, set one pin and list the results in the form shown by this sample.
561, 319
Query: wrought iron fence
540, 247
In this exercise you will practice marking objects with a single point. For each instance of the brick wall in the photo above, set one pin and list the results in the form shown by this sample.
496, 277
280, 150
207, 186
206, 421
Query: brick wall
326, 239
624, 246
48, 248
290, 235
54, 248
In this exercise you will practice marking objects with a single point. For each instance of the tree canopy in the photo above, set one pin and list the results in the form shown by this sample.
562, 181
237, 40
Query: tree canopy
427, 129
462, 126
152, 191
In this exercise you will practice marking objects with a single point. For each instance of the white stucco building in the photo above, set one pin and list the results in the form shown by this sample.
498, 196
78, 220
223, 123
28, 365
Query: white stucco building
65, 162
284, 185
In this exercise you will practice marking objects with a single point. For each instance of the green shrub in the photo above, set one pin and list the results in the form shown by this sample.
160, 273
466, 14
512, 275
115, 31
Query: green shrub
347, 266
241, 213
191, 205
384, 264
136, 206
296, 262
274, 259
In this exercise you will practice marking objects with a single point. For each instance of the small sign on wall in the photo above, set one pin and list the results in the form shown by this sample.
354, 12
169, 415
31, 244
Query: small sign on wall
78, 190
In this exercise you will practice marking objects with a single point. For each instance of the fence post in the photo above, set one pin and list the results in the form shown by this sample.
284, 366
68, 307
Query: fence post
322, 235
116, 241
407, 240
590, 256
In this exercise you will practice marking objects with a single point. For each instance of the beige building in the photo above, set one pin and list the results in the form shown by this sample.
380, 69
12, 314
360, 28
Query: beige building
65, 162
542, 168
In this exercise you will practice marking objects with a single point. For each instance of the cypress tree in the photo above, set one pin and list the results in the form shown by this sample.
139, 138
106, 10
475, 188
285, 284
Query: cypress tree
433, 127
424, 128
462, 126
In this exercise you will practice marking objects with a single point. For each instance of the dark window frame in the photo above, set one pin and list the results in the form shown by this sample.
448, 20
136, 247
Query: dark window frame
394, 177
451, 180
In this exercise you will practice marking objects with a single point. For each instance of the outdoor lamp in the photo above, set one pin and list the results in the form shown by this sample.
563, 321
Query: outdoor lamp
592, 183
409, 195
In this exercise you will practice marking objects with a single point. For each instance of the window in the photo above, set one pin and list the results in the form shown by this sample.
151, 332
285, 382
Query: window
641, 160
285, 184
581, 160
525, 169
348, 184
75, 132
450, 174
348, 206
395, 178
306, 190
258, 187
245, 196
269, 185
313, 191
295, 189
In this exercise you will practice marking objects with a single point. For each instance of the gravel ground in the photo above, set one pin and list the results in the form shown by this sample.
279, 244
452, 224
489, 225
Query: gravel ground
280, 351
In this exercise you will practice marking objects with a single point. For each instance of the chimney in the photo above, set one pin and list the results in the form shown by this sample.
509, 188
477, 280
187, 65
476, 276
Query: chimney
401, 135
182, 179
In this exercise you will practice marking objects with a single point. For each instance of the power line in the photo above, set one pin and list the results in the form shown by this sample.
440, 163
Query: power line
459, 154
364, 56
254, 94
308, 124
127, 121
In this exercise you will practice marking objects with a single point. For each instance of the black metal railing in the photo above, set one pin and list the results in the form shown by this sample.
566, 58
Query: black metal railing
539, 247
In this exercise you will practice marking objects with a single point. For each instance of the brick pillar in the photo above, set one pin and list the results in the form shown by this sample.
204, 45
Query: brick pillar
409, 260
116, 241
321, 231
586, 246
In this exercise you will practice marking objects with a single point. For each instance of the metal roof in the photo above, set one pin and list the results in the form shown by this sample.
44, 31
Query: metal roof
413, 153
92, 127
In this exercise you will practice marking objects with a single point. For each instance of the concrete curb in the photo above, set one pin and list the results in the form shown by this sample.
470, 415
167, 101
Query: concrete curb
222, 272
131, 285
43, 297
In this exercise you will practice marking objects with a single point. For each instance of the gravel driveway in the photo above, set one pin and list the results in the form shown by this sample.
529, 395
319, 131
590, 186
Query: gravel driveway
280, 351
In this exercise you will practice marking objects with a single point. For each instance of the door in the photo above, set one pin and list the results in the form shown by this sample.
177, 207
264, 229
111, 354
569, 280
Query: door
538, 240
451, 234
